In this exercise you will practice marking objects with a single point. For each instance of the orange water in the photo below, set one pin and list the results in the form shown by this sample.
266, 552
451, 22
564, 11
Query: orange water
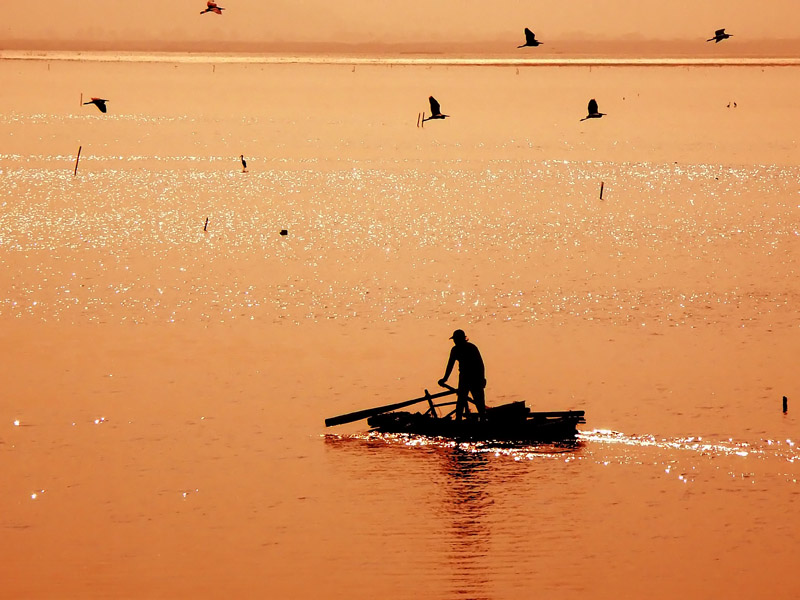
161, 423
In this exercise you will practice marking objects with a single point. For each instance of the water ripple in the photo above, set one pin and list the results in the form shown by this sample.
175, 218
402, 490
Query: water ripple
530, 242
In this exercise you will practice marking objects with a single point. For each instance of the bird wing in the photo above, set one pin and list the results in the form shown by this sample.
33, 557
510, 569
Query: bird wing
719, 32
217, 10
593, 107
530, 37
435, 108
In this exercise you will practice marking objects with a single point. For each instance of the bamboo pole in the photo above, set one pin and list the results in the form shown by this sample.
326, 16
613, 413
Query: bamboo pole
363, 414
76, 161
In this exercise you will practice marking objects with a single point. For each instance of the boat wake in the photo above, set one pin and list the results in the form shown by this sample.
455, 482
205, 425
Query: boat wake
765, 449
592, 440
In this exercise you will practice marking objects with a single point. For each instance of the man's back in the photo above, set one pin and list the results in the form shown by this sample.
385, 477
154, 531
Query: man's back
470, 363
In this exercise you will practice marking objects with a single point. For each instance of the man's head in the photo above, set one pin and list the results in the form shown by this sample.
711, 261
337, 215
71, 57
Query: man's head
458, 336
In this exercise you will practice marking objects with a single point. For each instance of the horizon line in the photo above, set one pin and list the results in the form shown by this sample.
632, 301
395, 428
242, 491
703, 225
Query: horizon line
378, 60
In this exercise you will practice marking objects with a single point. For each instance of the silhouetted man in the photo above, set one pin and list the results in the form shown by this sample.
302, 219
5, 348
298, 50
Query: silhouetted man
471, 374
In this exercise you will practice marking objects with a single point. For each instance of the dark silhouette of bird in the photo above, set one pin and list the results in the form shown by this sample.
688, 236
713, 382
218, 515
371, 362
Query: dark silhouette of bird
436, 111
244, 163
530, 39
719, 35
211, 6
99, 103
593, 112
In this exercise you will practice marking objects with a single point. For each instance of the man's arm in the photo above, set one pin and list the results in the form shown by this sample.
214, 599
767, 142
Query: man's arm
449, 369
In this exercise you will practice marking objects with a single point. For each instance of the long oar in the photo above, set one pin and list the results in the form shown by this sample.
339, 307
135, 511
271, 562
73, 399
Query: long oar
370, 412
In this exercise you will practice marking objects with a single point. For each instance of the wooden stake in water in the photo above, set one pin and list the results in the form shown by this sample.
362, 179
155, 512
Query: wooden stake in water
76, 161
205, 227
602, 183
785, 404
418, 115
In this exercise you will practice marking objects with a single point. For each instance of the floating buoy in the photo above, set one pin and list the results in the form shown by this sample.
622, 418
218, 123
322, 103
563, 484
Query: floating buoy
284, 232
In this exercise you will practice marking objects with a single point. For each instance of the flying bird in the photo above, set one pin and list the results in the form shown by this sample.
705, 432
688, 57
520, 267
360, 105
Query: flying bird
530, 39
719, 35
211, 6
99, 103
244, 163
436, 111
593, 112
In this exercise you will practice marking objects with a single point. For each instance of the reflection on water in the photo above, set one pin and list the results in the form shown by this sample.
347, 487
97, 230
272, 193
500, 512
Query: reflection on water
517, 451
466, 510
476, 537
764, 449
390, 232
678, 456
684, 458
398, 244
515, 519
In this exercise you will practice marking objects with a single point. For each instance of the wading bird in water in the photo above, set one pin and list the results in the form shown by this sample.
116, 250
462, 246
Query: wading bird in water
436, 111
719, 35
99, 103
244, 163
211, 6
530, 39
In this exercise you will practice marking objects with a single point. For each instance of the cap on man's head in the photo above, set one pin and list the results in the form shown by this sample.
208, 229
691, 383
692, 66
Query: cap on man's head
458, 334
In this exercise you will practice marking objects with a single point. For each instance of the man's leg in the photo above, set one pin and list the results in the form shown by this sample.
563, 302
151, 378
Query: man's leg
479, 400
462, 401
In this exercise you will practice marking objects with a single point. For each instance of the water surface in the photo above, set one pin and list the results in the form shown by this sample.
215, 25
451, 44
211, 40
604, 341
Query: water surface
161, 426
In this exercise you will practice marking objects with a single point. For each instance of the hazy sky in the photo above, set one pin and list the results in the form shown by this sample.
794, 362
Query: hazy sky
395, 21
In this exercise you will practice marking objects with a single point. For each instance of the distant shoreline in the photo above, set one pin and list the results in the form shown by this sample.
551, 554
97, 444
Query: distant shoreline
380, 60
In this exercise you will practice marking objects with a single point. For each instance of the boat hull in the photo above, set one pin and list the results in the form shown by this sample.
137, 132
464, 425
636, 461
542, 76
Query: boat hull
516, 425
